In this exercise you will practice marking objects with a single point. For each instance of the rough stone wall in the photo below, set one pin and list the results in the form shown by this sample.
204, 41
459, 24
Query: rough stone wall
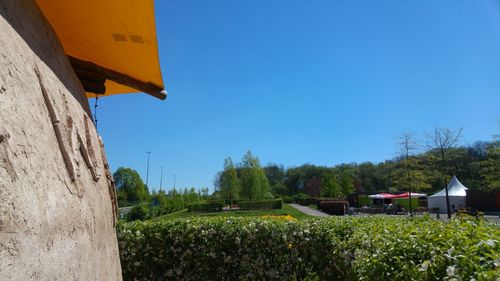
56, 193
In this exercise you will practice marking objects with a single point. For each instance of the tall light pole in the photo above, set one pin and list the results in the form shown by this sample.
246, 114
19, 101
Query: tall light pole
161, 176
174, 181
147, 170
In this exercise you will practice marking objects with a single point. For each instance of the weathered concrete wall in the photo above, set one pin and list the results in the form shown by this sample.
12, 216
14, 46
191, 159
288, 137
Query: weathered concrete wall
56, 192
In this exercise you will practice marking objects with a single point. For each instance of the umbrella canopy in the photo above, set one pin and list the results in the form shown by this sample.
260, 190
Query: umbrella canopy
393, 196
111, 44
383, 196
413, 194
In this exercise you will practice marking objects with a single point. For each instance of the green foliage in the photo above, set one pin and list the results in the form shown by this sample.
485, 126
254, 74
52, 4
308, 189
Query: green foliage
129, 186
229, 186
305, 200
363, 200
206, 207
268, 196
274, 173
254, 182
285, 211
477, 166
175, 201
369, 248
162, 203
287, 199
408, 174
279, 189
490, 167
329, 185
346, 181
139, 212
261, 205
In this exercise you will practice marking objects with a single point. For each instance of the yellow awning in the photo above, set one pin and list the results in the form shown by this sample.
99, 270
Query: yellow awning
113, 40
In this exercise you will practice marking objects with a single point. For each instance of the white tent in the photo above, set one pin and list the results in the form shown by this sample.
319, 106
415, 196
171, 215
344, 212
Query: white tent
456, 193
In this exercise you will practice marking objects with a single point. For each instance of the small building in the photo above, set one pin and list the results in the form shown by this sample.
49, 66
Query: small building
488, 202
456, 194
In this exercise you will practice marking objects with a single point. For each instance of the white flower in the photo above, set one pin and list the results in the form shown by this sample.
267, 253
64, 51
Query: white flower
451, 270
424, 266
490, 242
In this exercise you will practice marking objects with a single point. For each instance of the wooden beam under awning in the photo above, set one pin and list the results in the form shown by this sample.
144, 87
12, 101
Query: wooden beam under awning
93, 77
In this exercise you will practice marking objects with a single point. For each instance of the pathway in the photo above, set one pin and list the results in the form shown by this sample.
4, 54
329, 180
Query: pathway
309, 211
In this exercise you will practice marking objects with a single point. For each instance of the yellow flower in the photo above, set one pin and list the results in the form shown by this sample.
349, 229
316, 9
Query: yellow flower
280, 217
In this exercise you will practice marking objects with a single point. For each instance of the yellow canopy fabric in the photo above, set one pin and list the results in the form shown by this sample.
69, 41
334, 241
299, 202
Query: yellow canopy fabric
116, 35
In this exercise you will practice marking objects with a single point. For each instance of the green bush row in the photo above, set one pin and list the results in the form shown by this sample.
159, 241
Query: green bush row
261, 205
305, 201
336, 248
206, 207
333, 207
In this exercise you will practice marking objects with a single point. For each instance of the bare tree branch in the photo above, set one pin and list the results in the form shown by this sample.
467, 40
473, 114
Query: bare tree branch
442, 141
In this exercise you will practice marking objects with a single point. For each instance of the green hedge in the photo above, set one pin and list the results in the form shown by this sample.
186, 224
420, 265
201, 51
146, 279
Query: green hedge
336, 248
306, 201
261, 205
206, 207
333, 207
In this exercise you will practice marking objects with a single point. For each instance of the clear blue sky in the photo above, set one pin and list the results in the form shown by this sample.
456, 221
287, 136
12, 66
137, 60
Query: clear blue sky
320, 82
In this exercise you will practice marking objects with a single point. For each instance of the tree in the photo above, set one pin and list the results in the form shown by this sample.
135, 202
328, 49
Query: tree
204, 192
490, 166
346, 184
407, 146
279, 189
329, 186
441, 142
366, 172
312, 187
130, 186
229, 182
254, 183
413, 178
275, 173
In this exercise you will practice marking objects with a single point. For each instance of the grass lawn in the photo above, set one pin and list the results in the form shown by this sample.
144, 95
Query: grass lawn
313, 206
287, 210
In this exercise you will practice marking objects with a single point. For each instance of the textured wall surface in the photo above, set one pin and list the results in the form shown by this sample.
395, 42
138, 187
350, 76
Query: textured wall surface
57, 197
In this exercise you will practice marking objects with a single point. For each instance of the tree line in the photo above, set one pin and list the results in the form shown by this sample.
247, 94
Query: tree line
131, 191
420, 167
417, 167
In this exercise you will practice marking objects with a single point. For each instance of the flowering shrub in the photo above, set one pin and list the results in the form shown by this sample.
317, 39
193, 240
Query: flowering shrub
279, 217
369, 248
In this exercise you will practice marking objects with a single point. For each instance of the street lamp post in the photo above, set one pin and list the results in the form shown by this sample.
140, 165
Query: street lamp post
147, 170
161, 176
